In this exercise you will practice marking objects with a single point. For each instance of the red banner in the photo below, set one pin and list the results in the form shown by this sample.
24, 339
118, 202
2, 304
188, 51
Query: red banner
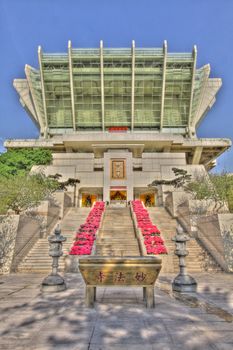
118, 129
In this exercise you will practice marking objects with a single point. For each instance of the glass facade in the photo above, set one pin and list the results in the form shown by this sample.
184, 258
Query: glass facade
87, 90
95, 89
117, 87
148, 87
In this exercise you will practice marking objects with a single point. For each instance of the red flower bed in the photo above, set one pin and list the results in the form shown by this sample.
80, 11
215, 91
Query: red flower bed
153, 242
86, 233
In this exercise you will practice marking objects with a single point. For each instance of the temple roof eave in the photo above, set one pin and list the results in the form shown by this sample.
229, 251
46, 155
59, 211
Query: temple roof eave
198, 151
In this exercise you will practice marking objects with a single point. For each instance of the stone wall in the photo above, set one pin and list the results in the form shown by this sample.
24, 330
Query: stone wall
81, 161
153, 162
8, 231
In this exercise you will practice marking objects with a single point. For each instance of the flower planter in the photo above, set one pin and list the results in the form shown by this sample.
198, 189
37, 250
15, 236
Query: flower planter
84, 243
147, 233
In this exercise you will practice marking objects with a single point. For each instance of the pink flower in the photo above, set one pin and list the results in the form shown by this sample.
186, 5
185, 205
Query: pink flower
85, 235
153, 242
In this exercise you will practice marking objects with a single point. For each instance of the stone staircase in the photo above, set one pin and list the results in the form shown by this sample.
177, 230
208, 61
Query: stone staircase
198, 259
116, 236
38, 259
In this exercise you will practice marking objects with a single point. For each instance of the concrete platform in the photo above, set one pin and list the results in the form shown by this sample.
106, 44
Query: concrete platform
30, 320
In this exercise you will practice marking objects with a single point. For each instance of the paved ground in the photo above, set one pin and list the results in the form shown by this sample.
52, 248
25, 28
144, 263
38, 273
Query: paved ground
30, 320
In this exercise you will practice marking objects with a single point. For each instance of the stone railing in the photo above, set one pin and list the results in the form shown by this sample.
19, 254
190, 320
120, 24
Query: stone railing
93, 251
212, 230
138, 233
215, 234
28, 232
31, 227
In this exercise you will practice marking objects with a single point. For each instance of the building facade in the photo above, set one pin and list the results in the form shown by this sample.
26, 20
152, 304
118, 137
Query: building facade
117, 119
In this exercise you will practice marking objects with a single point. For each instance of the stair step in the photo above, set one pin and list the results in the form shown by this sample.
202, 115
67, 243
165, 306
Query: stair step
38, 259
117, 235
117, 238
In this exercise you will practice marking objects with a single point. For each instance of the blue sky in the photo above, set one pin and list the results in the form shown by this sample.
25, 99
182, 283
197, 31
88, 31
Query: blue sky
25, 24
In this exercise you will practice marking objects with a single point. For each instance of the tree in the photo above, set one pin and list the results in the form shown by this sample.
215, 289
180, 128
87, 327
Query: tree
20, 161
22, 192
64, 184
181, 178
216, 187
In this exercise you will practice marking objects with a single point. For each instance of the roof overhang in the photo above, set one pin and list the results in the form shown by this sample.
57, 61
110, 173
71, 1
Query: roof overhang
198, 151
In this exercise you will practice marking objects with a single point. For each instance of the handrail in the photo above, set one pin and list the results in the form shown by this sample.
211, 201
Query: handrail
204, 239
20, 251
138, 234
93, 251
213, 244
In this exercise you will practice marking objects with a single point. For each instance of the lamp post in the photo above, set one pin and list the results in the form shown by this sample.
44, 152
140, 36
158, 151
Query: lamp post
183, 282
54, 282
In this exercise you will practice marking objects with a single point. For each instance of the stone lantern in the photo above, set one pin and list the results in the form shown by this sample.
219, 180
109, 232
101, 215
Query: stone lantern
54, 282
183, 282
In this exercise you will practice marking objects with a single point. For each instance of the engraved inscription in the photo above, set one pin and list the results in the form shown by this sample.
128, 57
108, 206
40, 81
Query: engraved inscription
118, 169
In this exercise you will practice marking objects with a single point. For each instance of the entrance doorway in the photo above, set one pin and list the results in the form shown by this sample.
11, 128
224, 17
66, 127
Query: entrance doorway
148, 199
118, 195
88, 199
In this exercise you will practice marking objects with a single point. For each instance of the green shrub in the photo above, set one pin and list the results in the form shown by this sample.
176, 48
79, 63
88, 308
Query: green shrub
20, 161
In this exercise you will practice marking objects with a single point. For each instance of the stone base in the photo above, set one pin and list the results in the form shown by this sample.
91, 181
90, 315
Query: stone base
53, 283
184, 284
72, 263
